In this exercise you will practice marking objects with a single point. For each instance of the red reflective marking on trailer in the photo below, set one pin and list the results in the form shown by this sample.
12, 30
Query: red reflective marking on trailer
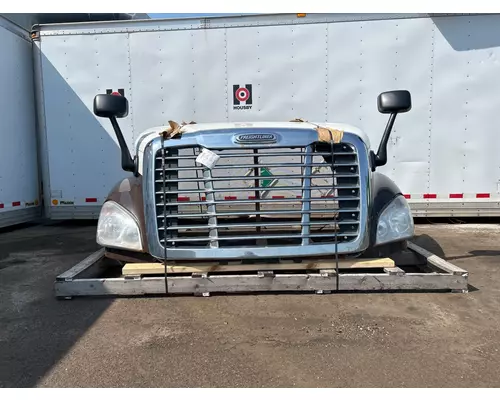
182, 198
16, 203
430, 196
407, 196
456, 195
252, 197
482, 196
230, 198
203, 198
1, 205
299, 196
278, 197
91, 200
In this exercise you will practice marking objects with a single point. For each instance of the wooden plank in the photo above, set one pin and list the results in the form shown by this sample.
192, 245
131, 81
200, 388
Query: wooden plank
436, 261
157, 268
82, 266
254, 283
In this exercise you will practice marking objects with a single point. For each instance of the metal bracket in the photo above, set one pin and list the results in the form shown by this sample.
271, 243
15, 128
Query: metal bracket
203, 275
202, 294
394, 271
35, 35
459, 291
265, 274
327, 273
132, 277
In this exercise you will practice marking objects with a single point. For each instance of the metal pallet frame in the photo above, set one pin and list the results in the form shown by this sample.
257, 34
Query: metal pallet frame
436, 275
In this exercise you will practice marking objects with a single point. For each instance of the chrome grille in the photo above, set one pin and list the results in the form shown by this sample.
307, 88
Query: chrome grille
258, 197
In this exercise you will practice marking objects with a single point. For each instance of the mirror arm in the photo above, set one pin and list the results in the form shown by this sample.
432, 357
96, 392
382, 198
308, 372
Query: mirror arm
128, 163
381, 157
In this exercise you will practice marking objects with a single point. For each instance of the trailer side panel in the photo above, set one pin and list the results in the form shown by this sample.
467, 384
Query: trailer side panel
19, 200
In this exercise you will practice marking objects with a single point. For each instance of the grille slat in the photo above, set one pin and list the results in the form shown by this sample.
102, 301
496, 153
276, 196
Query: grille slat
256, 237
263, 201
251, 178
244, 166
264, 224
211, 208
306, 198
262, 212
264, 154
248, 199
243, 189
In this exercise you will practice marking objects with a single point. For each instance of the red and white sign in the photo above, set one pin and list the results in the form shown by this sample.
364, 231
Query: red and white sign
242, 94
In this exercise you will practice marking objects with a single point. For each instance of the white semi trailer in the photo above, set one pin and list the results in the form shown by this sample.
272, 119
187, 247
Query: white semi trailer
19, 180
318, 67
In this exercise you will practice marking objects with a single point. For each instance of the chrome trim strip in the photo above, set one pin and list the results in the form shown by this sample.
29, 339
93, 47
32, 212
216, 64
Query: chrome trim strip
238, 155
306, 192
223, 138
211, 209
265, 189
252, 178
255, 224
306, 196
270, 212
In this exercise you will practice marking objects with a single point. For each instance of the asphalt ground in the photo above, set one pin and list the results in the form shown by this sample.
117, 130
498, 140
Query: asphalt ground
285, 340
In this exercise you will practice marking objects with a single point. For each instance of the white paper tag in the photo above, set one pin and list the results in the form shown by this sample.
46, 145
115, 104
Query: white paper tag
207, 158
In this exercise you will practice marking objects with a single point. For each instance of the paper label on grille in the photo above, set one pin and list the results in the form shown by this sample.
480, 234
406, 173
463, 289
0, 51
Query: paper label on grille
207, 158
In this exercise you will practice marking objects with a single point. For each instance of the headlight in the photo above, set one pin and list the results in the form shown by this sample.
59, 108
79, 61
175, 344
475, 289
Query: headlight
118, 228
395, 223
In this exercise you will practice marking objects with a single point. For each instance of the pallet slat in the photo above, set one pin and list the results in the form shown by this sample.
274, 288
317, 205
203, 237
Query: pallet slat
436, 261
157, 268
254, 283
82, 265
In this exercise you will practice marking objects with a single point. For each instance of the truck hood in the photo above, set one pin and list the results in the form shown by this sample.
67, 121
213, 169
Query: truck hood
150, 134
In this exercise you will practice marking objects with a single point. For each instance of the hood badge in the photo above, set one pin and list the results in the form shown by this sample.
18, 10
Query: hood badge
256, 138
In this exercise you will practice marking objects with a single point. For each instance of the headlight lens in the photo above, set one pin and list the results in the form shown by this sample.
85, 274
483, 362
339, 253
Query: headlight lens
395, 223
117, 228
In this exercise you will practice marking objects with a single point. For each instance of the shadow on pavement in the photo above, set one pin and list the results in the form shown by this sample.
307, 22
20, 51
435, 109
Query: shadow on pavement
430, 244
36, 329
476, 253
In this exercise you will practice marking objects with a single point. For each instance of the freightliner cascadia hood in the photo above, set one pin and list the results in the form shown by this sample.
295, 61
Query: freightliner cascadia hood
150, 134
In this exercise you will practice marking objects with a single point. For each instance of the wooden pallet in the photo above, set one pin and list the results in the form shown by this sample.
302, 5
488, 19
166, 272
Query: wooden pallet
432, 274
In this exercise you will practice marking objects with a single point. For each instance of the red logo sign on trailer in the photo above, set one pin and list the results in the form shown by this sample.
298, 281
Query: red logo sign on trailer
242, 97
120, 92
242, 94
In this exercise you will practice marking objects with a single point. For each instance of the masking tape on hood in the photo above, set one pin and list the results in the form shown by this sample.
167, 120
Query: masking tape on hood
174, 129
329, 135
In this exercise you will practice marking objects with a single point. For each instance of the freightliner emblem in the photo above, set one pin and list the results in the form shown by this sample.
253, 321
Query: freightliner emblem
256, 138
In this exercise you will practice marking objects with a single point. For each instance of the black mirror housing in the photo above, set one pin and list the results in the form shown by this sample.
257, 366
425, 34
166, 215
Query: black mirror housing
116, 106
109, 105
393, 102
